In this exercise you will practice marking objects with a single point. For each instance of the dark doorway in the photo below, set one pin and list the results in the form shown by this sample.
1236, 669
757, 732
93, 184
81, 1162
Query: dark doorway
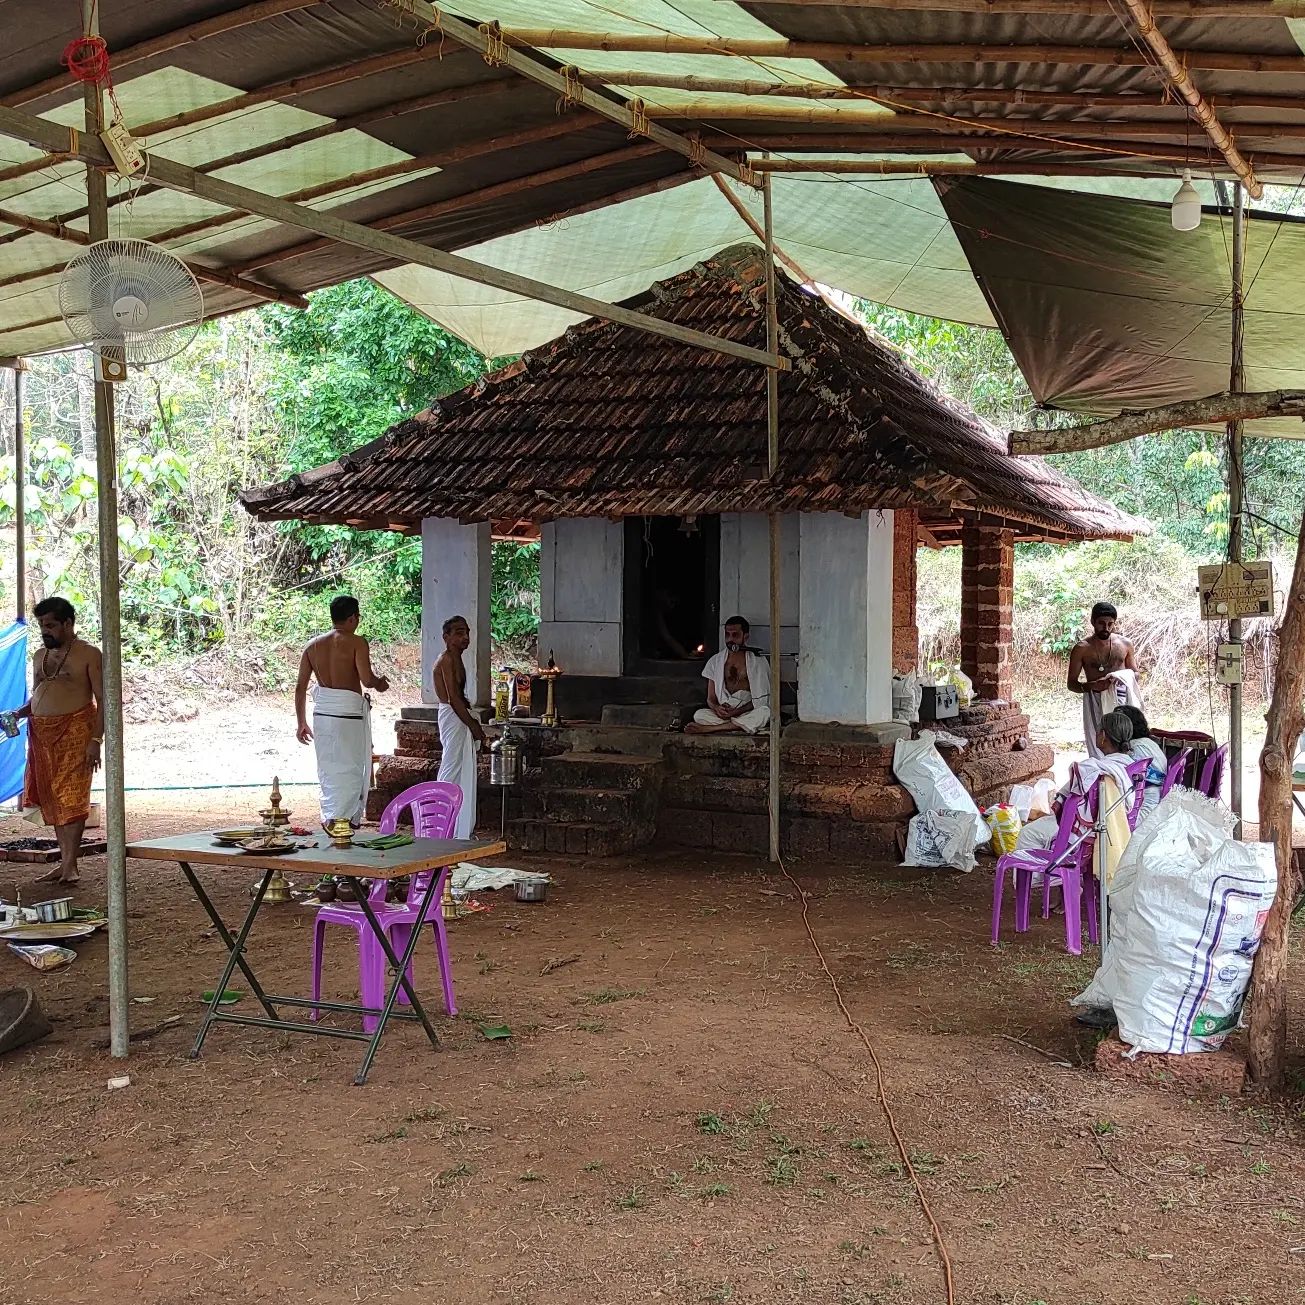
672, 593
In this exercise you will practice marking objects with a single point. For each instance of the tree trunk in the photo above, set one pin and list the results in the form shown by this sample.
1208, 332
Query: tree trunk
1268, 1002
1132, 422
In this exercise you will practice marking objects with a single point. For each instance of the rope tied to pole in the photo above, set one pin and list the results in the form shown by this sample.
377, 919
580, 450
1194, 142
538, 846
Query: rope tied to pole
573, 90
436, 24
496, 49
697, 151
639, 114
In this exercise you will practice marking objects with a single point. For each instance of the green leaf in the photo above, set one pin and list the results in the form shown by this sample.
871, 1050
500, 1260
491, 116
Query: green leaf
495, 1032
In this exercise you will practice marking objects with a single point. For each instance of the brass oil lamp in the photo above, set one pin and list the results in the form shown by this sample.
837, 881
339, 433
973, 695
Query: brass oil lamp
549, 675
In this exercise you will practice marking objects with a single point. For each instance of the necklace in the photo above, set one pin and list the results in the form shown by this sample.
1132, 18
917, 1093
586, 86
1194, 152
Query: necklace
45, 661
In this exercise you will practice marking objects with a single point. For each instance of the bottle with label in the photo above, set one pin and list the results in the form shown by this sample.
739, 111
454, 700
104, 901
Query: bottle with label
502, 694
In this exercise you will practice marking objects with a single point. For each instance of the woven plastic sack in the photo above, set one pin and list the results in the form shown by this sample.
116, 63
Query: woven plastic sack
939, 839
919, 766
1187, 908
1004, 821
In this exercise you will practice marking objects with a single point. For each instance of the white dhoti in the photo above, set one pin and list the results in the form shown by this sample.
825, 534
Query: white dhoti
1037, 835
752, 720
1123, 692
342, 739
458, 766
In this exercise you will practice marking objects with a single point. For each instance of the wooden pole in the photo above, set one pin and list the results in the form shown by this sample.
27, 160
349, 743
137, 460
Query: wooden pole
44, 134
1175, 71
953, 167
1126, 55
1267, 1042
1131, 423
1236, 486
106, 476
773, 520
1075, 8
20, 497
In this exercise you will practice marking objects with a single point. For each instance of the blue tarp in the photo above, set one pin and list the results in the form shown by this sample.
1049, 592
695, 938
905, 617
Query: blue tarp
13, 693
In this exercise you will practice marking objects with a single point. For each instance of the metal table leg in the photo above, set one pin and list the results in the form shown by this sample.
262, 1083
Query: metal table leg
235, 947
400, 965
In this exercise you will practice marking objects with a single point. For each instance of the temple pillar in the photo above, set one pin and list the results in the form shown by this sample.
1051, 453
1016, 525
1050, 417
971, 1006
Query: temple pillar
581, 595
987, 605
846, 658
906, 631
455, 581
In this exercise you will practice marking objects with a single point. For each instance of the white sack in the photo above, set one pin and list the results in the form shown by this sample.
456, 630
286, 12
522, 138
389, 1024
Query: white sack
941, 838
918, 765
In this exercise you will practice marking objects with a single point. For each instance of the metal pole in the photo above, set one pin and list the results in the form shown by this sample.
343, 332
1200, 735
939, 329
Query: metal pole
773, 520
1236, 482
20, 497
106, 477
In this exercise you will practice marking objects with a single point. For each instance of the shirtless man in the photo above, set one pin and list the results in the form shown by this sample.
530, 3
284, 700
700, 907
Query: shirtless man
341, 732
1091, 664
461, 734
738, 687
65, 731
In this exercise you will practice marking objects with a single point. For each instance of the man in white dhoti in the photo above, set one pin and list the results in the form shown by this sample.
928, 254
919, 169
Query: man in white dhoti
738, 687
1102, 669
461, 734
341, 732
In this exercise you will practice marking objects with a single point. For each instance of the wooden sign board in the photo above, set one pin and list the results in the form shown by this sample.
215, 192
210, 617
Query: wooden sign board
1235, 589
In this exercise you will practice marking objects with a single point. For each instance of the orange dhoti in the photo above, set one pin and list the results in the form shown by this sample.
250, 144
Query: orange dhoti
58, 775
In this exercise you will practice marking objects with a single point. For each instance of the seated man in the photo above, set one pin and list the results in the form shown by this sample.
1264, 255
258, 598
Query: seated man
738, 687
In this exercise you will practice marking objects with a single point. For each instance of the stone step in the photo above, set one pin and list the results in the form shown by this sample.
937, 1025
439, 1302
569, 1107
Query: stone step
645, 715
594, 806
576, 838
600, 770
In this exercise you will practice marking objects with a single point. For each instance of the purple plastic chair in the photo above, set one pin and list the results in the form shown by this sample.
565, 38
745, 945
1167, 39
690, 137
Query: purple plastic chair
1211, 781
1137, 773
1177, 768
1063, 864
435, 808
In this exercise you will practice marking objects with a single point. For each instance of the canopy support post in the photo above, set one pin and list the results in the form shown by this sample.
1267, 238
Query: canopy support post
773, 518
106, 477
1236, 485
20, 496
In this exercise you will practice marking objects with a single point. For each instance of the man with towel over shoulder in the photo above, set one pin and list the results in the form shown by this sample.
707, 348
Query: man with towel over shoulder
461, 734
341, 732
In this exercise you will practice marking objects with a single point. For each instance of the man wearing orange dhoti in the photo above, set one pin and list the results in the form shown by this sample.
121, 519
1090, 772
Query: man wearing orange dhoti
65, 728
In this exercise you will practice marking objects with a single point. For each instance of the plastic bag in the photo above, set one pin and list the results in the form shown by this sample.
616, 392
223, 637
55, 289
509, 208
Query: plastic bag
906, 697
919, 766
941, 838
1033, 800
1004, 822
45, 957
964, 685
1187, 908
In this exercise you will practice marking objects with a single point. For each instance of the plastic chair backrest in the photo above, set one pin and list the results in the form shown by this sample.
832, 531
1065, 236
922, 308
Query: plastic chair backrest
1177, 767
1071, 813
1137, 773
435, 806
1211, 783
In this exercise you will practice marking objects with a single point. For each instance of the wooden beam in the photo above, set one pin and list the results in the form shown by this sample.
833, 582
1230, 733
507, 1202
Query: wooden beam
531, 136
1217, 409
640, 79
1267, 1003
1124, 56
456, 203
173, 40
42, 134
1074, 8
1175, 71
71, 236
486, 41
948, 167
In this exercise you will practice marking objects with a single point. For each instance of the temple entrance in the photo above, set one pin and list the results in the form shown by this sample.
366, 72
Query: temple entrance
672, 593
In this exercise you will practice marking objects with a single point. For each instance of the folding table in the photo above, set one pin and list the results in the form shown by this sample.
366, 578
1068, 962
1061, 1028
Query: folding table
350, 864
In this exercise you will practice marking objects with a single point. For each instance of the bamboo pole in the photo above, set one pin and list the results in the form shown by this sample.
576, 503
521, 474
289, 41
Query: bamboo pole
173, 40
57, 230
43, 134
386, 172
946, 167
20, 496
641, 79
773, 518
1175, 70
1236, 481
1267, 1004
106, 476
1123, 56
1075, 8
456, 203
488, 41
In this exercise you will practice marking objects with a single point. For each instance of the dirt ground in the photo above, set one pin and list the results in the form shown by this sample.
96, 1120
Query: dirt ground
681, 1113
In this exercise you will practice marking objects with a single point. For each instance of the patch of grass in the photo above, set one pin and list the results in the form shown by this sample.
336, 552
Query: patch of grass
760, 1114
595, 1167
577, 1076
591, 1026
675, 1183
530, 1177
911, 957
394, 1135
1286, 1219
424, 1115
714, 1190
925, 1162
605, 996
631, 1200
861, 1145
1261, 1168
452, 1175
710, 1122
781, 1170
1102, 1127
487, 967
720, 1295
704, 1164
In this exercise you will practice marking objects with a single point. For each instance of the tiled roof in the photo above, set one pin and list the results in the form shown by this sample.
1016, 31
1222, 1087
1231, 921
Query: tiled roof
610, 421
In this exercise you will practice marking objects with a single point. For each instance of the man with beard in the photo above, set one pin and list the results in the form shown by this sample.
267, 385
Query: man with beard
65, 731
738, 687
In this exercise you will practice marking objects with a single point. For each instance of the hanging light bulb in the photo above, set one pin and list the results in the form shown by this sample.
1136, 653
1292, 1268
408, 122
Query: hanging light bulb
1185, 210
